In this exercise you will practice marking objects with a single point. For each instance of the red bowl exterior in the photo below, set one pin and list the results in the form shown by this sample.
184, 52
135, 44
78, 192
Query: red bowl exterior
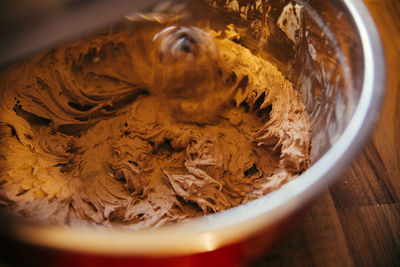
242, 253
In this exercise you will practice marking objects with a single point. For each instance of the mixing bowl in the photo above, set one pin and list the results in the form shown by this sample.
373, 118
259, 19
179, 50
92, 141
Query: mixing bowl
331, 52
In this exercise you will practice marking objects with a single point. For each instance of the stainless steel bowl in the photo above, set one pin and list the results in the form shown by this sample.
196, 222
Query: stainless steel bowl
333, 56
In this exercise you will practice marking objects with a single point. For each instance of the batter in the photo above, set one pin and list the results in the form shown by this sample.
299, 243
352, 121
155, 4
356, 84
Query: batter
145, 129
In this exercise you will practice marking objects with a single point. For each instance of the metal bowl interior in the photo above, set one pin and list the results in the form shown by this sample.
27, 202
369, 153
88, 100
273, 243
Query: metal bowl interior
336, 62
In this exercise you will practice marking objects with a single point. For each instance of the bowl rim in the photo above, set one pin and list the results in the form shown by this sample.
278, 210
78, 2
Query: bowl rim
214, 231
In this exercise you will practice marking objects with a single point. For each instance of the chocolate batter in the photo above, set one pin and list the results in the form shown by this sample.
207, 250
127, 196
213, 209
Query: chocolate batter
145, 129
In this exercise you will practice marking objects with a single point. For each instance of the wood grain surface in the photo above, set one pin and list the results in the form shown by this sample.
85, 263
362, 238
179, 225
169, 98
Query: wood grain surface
357, 220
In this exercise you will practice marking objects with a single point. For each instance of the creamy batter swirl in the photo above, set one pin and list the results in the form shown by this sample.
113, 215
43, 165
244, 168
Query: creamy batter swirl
145, 129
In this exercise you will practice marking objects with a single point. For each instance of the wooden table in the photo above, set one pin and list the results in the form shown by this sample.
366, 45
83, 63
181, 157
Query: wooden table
357, 221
